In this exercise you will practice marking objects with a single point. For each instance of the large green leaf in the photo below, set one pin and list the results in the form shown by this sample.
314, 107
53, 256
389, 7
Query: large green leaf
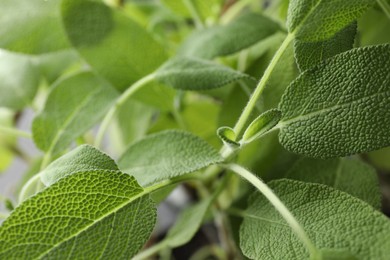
90, 215
165, 155
318, 20
19, 80
113, 44
83, 158
308, 54
340, 107
331, 218
73, 106
197, 74
32, 26
352, 176
224, 40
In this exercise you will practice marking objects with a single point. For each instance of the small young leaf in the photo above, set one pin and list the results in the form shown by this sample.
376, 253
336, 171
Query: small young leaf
165, 155
93, 214
318, 20
352, 176
197, 74
19, 80
228, 136
261, 125
333, 220
32, 26
113, 44
73, 106
217, 41
340, 107
308, 54
187, 224
83, 158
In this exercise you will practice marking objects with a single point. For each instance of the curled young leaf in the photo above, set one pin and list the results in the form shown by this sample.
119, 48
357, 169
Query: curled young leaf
261, 125
228, 136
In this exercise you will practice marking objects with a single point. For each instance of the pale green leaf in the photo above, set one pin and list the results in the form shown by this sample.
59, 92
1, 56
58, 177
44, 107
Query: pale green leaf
261, 125
217, 41
83, 158
197, 74
331, 254
73, 106
340, 107
228, 136
114, 45
333, 220
318, 20
187, 224
308, 54
19, 80
166, 155
352, 176
32, 26
86, 215
206, 9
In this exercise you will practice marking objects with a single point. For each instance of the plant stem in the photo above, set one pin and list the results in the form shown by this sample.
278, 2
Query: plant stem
242, 121
145, 254
234, 10
278, 204
118, 104
385, 7
194, 13
14, 132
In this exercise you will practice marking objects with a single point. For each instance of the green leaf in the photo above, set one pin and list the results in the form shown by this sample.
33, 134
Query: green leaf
318, 20
73, 106
166, 155
197, 74
340, 107
331, 218
218, 41
352, 176
261, 125
83, 158
308, 54
93, 215
32, 26
19, 80
331, 254
228, 136
113, 44
187, 224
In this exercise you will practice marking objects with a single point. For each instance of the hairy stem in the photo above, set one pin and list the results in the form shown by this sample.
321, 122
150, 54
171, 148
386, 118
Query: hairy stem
278, 204
242, 121
118, 104
14, 132
385, 7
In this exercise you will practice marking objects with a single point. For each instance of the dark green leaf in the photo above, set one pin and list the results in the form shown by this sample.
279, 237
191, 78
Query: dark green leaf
333, 220
340, 107
352, 176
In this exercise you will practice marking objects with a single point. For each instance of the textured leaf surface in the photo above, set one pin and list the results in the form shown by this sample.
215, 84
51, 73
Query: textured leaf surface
32, 26
352, 176
262, 124
93, 215
308, 54
318, 20
113, 44
224, 40
19, 80
332, 219
165, 155
83, 158
339, 107
197, 74
73, 106
187, 224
